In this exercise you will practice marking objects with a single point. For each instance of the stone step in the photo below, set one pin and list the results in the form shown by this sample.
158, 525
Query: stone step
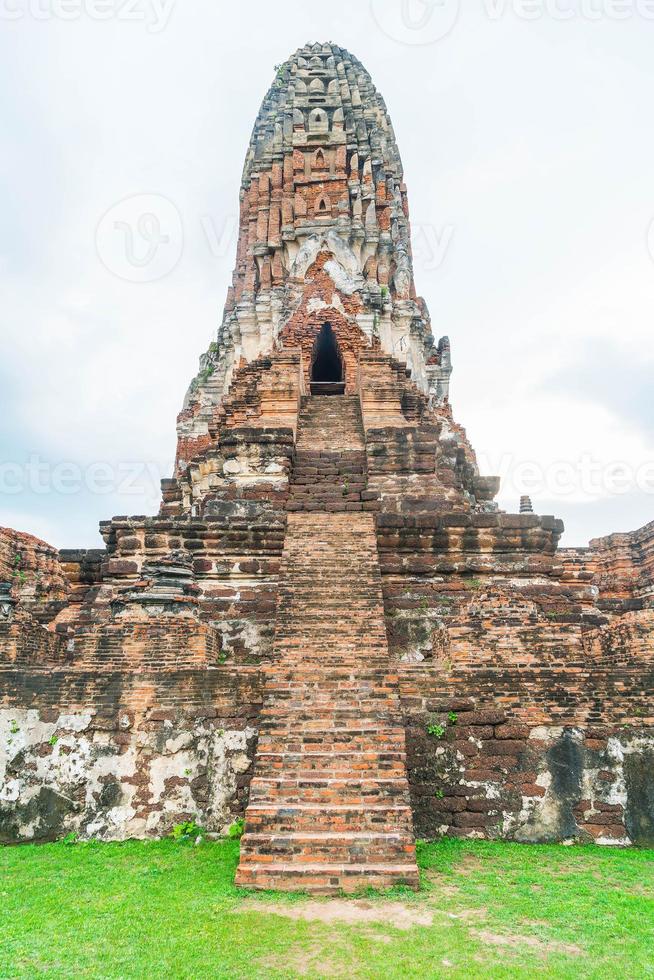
321, 635
330, 654
327, 424
329, 715
327, 388
330, 590
325, 599
327, 490
286, 790
330, 576
349, 770
277, 818
344, 741
348, 675
325, 483
326, 879
316, 848
271, 742
332, 507
348, 471
283, 692
376, 736
329, 801
328, 657
323, 695
352, 464
324, 635
327, 626
325, 612
287, 723
342, 458
285, 687
333, 764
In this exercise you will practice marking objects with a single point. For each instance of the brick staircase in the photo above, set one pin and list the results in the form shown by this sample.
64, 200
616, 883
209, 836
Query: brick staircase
329, 806
330, 462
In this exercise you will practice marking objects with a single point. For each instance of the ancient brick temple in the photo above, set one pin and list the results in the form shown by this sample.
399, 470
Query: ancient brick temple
329, 628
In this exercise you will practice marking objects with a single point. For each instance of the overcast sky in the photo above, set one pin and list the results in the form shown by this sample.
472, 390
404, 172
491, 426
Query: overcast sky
527, 140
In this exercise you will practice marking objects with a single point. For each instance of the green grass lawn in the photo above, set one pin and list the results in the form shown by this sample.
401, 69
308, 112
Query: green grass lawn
163, 909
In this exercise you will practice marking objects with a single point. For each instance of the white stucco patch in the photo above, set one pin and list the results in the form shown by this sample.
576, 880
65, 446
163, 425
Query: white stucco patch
75, 722
544, 734
345, 283
104, 788
602, 790
10, 790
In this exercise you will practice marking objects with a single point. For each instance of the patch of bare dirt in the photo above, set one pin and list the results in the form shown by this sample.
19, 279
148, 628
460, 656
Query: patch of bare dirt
445, 888
310, 960
638, 891
514, 941
307, 963
469, 863
467, 915
352, 912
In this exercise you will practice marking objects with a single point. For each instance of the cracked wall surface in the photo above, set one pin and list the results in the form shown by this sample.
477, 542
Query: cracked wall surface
66, 772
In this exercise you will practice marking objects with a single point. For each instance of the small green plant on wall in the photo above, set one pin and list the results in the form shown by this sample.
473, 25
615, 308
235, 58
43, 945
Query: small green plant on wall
438, 729
236, 830
185, 831
18, 573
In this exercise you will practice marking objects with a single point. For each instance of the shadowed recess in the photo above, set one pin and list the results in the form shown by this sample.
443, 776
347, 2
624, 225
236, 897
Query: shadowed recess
327, 361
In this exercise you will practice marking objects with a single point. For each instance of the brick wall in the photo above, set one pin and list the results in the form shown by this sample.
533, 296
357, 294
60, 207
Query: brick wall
118, 754
131, 678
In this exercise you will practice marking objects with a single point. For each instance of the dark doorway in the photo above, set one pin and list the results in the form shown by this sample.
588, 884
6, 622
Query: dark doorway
327, 363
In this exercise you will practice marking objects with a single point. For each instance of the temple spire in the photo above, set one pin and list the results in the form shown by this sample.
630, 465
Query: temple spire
323, 187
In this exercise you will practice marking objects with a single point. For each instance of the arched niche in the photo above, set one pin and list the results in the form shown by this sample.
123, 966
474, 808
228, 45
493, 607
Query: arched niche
323, 206
318, 121
327, 362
